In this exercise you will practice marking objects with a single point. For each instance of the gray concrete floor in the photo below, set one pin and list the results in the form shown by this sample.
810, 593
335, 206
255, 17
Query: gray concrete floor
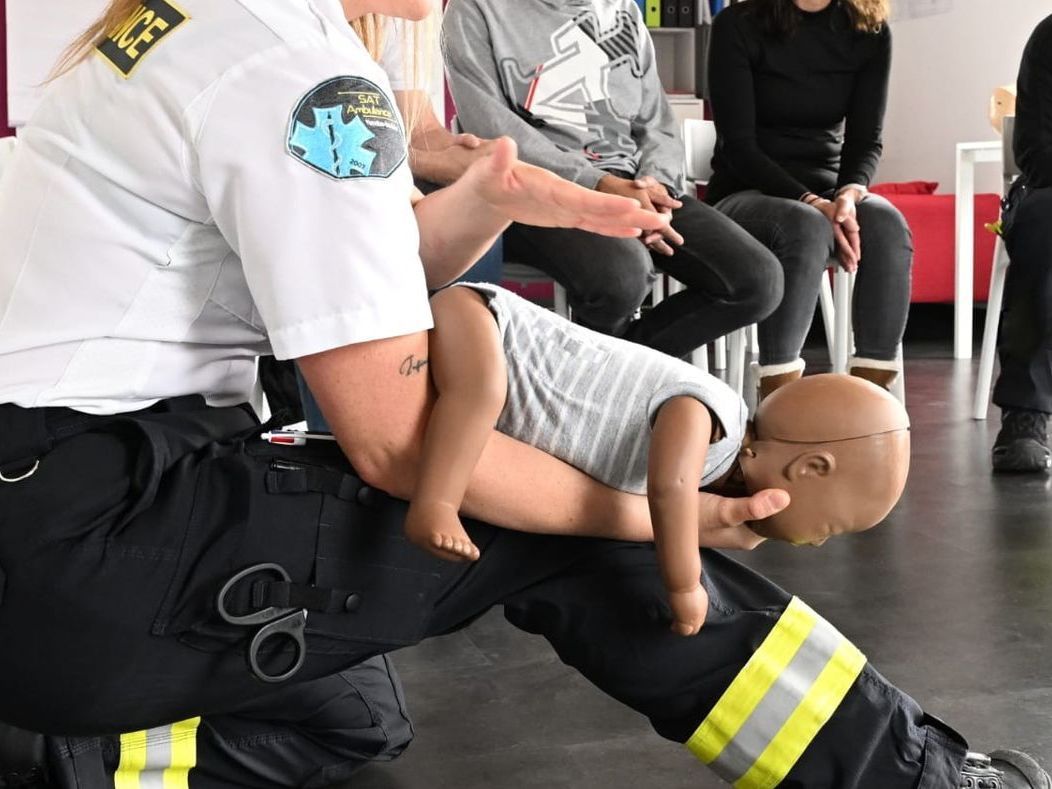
950, 598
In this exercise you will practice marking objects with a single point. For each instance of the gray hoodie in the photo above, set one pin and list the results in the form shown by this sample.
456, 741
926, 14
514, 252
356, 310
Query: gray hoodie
574, 82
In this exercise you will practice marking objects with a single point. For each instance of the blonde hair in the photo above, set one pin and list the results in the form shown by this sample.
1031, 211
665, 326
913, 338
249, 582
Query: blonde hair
868, 16
370, 28
779, 17
115, 15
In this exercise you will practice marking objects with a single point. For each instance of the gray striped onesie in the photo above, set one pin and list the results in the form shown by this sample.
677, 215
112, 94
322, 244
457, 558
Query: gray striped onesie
590, 400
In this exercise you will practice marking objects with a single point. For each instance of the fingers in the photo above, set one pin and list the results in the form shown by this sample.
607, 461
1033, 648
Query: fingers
663, 201
734, 538
661, 247
756, 507
467, 141
845, 253
851, 231
766, 503
505, 154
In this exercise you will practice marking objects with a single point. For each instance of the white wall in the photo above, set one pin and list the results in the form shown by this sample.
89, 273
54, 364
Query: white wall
944, 68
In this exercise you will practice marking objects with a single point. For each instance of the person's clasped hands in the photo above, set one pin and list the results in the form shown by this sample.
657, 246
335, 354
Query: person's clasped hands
842, 214
653, 196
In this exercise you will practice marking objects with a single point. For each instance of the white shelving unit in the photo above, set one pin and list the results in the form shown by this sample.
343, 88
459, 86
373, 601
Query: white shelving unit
676, 50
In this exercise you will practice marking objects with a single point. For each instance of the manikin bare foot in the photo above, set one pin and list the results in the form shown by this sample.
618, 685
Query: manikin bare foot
436, 527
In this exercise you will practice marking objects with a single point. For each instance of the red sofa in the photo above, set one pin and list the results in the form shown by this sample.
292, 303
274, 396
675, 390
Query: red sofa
931, 218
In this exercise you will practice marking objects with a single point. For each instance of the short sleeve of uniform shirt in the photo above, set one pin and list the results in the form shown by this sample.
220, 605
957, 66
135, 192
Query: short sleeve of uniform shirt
300, 154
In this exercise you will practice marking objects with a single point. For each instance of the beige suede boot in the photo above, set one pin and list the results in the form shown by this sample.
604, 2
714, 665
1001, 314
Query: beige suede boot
881, 373
772, 376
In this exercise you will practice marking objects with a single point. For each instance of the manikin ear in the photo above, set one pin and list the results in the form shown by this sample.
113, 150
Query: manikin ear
811, 464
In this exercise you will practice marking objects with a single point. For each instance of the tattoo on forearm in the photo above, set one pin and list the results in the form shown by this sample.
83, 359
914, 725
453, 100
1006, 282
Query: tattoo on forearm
411, 365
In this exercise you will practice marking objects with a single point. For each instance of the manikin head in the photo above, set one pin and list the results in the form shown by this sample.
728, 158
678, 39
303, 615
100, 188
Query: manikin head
839, 445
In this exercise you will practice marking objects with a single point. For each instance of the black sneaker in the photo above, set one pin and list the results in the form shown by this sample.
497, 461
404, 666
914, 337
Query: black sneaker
22, 759
1022, 444
1003, 770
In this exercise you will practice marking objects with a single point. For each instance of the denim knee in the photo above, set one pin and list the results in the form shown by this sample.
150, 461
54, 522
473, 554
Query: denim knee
613, 299
759, 284
883, 226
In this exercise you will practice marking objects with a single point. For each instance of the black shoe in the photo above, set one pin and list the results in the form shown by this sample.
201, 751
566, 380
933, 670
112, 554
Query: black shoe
1003, 770
1022, 444
22, 759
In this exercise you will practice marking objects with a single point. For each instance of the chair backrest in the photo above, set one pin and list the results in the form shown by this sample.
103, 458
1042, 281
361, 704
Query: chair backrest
1011, 167
7, 148
699, 143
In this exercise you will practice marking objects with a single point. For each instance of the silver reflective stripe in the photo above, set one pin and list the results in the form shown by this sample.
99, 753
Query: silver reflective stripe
779, 703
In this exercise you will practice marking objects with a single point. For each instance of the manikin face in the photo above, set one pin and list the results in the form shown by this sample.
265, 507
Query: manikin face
414, 10
834, 486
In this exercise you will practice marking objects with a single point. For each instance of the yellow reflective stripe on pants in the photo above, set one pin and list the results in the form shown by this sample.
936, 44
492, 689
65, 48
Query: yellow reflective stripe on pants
779, 701
160, 758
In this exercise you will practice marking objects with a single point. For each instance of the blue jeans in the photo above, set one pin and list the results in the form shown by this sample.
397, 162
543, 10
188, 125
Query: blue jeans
802, 240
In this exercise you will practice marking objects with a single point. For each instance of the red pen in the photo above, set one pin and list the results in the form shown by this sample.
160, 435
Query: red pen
294, 438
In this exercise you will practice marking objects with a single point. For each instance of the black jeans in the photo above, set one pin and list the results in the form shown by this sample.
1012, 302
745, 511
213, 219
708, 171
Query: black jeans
802, 239
1025, 343
113, 551
731, 280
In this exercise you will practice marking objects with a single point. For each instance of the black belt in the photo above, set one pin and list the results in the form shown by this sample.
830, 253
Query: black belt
27, 434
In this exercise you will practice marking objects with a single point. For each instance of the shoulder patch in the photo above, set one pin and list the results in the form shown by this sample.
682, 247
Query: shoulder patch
126, 46
347, 127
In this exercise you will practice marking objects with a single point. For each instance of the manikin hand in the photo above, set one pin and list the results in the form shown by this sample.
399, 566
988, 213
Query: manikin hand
722, 520
534, 196
653, 197
688, 610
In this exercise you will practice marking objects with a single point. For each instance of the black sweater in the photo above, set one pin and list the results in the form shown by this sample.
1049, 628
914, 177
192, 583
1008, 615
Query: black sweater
1032, 142
803, 114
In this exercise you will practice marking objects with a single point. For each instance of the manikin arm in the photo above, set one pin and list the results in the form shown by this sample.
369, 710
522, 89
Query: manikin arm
678, 446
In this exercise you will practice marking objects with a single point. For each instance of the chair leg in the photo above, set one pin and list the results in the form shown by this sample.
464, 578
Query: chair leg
699, 357
719, 353
562, 306
657, 293
993, 319
737, 341
825, 300
842, 319
754, 340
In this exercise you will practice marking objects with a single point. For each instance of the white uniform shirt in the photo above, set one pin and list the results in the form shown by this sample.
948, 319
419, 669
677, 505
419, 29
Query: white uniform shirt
160, 231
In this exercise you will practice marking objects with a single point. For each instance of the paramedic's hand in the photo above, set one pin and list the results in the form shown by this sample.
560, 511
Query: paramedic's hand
663, 240
534, 196
688, 610
722, 520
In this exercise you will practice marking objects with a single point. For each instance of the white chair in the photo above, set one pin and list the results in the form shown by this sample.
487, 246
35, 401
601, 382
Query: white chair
997, 287
7, 149
699, 143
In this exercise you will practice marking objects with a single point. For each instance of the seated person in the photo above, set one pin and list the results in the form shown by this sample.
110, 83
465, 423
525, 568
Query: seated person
1024, 386
591, 400
576, 86
798, 95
